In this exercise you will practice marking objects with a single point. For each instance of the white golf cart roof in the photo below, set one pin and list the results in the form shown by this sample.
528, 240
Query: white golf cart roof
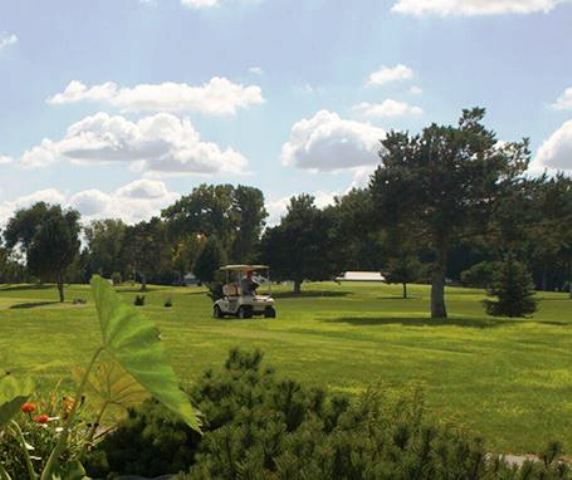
244, 268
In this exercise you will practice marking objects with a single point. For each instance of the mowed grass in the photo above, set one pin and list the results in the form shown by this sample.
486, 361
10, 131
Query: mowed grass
507, 380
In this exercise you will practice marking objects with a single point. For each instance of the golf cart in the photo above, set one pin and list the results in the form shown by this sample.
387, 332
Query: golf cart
239, 293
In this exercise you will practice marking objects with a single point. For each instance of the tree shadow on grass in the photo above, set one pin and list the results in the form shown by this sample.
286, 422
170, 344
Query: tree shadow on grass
400, 297
312, 294
32, 305
14, 288
426, 322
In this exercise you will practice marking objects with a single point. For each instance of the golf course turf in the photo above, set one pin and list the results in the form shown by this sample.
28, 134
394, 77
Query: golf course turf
509, 380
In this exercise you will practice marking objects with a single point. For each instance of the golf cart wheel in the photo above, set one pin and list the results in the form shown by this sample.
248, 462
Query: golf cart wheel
270, 313
217, 312
244, 312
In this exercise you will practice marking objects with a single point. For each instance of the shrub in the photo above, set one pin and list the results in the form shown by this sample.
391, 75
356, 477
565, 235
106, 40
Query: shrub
513, 287
139, 300
479, 275
116, 278
259, 426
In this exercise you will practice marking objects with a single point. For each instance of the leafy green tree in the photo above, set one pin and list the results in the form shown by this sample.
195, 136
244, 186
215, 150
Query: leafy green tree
301, 247
405, 268
442, 183
513, 287
209, 260
104, 240
249, 216
235, 216
49, 236
146, 250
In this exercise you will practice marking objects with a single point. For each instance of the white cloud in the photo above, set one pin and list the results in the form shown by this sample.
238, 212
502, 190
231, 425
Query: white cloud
278, 208
385, 75
564, 101
161, 144
256, 70
129, 202
199, 3
7, 40
4, 159
219, 96
556, 151
203, 4
327, 142
415, 90
388, 108
473, 7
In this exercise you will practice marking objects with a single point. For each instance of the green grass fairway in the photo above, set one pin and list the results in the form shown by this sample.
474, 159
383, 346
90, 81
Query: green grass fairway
508, 380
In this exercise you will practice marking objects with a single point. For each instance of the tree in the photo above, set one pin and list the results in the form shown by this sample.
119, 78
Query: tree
249, 216
403, 269
146, 250
49, 236
235, 216
442, 183
209, 260
301, 247
513, 287
104, 245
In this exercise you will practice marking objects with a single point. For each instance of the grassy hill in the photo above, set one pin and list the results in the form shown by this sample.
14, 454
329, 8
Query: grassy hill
509, 380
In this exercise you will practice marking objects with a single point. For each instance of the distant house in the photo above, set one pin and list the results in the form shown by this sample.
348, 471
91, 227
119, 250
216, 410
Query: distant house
361, 277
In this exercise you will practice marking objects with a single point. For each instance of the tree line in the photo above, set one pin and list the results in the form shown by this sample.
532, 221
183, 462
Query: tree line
450, 204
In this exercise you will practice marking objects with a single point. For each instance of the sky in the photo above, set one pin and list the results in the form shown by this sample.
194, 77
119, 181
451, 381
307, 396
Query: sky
119, 107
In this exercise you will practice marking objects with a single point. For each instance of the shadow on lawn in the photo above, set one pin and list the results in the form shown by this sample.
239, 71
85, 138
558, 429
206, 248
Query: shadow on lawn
31, 305
312, 294
426, 322
15, 288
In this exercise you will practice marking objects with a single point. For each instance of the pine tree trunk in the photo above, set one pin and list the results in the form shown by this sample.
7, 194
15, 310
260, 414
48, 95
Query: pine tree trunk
438, 308
143, 282
404, 290
297, 287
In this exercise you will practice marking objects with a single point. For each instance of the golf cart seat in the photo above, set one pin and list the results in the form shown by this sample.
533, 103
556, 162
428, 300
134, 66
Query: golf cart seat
230, 290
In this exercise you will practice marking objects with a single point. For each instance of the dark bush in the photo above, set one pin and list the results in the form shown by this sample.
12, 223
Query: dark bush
139, 300
258, 426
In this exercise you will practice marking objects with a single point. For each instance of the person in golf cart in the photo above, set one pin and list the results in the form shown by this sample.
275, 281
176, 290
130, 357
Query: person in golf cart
240, 296
249, 286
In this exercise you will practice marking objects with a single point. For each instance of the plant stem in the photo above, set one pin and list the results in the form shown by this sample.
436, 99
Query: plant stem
20, 436
92, 431
62, 441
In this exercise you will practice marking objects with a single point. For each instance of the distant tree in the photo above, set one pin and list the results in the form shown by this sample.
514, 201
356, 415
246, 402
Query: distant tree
358, 241
49, 236
403, 269
513, 287
235, 216
146, 250
480, 275
442, 183
209, 260
249, 216
185, 251
301, 247
104, 240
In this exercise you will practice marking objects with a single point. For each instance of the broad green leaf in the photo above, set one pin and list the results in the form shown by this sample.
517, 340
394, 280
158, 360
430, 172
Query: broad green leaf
13, 394
133, 341
109, 386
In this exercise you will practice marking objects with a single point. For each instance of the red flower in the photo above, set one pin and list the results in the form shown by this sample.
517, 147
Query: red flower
41, 418
28, 407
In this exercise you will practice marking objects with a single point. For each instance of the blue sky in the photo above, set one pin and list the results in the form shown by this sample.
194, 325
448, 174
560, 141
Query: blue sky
117, 107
